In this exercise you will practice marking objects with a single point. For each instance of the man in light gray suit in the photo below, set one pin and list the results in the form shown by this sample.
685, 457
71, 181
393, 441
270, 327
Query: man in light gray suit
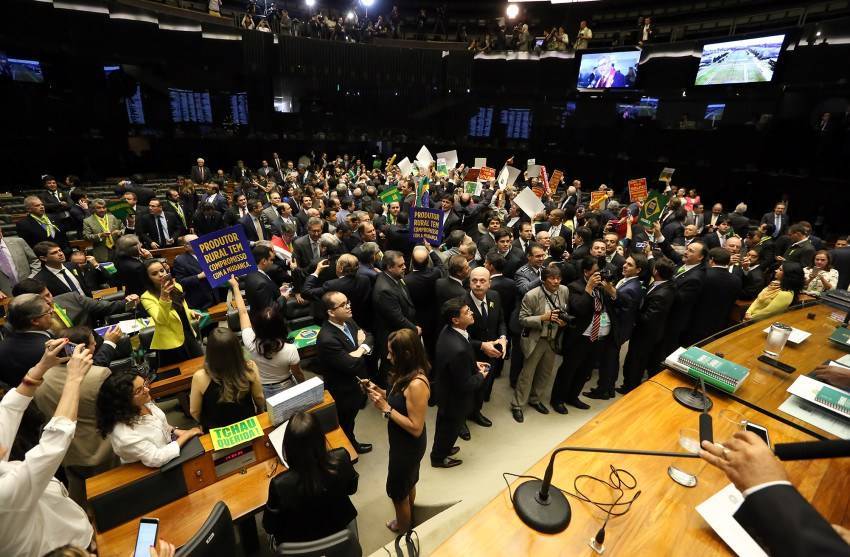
542, 316
17, 262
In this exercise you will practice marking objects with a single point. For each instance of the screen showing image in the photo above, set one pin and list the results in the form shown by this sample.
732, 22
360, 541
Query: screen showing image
27, 71
517, 122
135, 111
190, 106
481, 124
743, 61
239, 108
609, 70
646, 108
714, 112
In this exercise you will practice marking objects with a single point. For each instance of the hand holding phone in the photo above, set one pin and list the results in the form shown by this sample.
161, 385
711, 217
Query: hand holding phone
146, 538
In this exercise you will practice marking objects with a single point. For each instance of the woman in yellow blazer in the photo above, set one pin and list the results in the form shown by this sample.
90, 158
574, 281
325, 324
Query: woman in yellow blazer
777, 296
174, 337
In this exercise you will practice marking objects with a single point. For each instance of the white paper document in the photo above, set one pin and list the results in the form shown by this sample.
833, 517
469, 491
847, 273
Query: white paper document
816, 416
405, 166
528, 201
480, 162
507, 177
451, 158
424, 156
797, 335
276, 439
718, 511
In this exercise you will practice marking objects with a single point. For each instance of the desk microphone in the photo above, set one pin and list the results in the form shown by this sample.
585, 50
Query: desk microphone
706, 427
812, 450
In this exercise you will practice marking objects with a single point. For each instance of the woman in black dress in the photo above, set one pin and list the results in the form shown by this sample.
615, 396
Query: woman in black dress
404, 406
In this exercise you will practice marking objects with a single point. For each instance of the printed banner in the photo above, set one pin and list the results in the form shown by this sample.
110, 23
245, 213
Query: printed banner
637, 189
471, 175
597, 198
555, 180
486, 173
120, 209
472, 188
426, 224
235, 434
666, 174
390, 195
544, 177
480, 162
651, 210
223, 253
451, 158
442, 168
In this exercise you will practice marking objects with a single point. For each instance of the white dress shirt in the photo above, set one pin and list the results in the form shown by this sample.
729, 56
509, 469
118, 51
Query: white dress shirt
65, 275
36, 514
147, 441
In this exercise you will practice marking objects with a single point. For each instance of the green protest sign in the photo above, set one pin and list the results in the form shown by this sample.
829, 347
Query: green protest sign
120, 209
235, 434
651, 209
390, 195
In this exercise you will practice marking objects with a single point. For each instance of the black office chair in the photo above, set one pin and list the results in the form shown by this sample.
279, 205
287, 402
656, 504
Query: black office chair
233, 321
121, 366
215, 538
118, 317
146, 338
340, 544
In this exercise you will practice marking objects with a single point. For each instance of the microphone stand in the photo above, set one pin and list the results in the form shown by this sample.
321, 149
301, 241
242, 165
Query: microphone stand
547, 510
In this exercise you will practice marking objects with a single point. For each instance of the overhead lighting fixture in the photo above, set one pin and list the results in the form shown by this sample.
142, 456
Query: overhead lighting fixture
310, 3
367, 3
349, 16
512, 11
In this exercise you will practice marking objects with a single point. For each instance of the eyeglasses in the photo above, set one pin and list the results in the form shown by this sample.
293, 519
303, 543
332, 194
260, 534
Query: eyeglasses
346, 304
140, 390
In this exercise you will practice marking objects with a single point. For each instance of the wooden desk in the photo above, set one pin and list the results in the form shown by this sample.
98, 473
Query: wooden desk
218, 312
169, 254
663, 520
244, 493
179, 383
766, 386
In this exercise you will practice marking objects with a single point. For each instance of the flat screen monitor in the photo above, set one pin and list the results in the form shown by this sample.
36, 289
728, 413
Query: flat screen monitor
517, 122
608, 70
647, 108
741, 61
26, 71
135, 108
239, 108
714, 112
481, 123
190, 106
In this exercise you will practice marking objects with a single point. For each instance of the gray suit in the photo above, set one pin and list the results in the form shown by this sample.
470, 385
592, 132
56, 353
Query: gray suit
25, 261
274, 219
83, 310
92, 231
538, 371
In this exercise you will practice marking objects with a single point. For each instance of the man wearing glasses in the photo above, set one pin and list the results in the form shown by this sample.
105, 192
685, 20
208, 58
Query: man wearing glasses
343, 347
30, 319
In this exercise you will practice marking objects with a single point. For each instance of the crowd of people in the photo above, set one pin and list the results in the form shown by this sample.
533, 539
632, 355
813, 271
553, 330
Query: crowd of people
544, 299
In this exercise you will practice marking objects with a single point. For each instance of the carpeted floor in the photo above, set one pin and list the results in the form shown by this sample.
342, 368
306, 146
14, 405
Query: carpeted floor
446, 498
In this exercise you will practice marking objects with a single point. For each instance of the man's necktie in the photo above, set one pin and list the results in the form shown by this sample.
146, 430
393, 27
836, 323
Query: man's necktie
347, 332
71, 282
597, 317
7, 266
158, 232
258, 229
778, 226
164, 229
484, 309
315, 246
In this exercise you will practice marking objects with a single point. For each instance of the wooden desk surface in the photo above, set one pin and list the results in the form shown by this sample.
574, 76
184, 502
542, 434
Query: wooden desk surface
180, 382
663, 520
766, 386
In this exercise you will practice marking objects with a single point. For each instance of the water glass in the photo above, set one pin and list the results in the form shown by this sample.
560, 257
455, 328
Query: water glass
777, 336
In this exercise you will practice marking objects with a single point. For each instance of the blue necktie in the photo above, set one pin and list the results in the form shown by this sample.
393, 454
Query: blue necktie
348, 333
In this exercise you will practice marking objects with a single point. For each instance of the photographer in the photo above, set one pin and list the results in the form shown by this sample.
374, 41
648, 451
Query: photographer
591, 304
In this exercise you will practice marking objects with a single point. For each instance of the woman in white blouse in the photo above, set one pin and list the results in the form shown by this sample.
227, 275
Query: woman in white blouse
821, 277
135, 426
36, 514
265, 339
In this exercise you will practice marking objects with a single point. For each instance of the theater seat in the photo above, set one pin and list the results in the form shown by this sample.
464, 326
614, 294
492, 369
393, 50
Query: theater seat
233, 321
117, 317
146, 337
341, 544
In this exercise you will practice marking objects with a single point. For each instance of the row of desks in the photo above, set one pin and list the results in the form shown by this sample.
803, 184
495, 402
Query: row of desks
663, 521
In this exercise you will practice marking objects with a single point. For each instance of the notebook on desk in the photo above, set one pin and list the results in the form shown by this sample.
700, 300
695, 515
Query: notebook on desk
841, 337
714, 370
817, 392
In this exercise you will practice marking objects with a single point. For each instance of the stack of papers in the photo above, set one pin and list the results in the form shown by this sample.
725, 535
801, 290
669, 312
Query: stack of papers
129, 326
285, 404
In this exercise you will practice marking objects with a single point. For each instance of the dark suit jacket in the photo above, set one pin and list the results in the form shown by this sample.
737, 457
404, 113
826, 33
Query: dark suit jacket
770, 218
711, 240
83, 310
393, 310
201, 175
32, 232
52, 207
55, 285
786, 525
19, 351
131, 273
767, 253
804, 254
752, 282
652, 314
421, 286
339, 369
451, 223
739, 223
688, 289
841, 261
204, 224
446, 289
149, 233
199, 293
251, 233
232, 215
303, 252
456, 373
720, 290
261, 291
582, 309
486, 330
357, 288
626, 306
507, 295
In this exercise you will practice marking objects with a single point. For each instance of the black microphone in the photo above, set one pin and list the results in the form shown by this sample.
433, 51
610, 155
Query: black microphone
812, 450
706, 426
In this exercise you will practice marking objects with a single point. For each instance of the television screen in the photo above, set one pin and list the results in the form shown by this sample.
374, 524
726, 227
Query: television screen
608, 70
135, 110
190, 106
627, 111
239, 108
714, 112
742, 61
28, 71
646, 108
481, 124
517, 122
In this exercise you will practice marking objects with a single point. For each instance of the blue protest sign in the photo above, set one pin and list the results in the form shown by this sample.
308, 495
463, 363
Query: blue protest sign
426, 224
223, 253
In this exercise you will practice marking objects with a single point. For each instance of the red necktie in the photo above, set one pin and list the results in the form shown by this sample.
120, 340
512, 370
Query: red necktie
597, 317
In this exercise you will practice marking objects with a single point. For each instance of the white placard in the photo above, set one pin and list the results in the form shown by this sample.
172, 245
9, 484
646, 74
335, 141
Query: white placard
719, 510
451, 158
424, 156
528, 201
531, 162
507, 177
405, 166
533, 171
479, 162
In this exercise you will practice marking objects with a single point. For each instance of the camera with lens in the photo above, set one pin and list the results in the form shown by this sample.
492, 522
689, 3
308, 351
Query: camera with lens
605, 271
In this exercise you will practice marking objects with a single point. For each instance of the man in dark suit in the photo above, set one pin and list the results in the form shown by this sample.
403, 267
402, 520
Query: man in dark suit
421, 281
215, 198
261, 291
38, 227
56, 272
238, 211
488, 335
393, 307
355, 287
688, 280
301, 215
524, 235
556, 227
512, 255
256, 226
801, 250
778, 219
131, 270
738, 221
717, 237
487, 240
614, 260
720, 290
199, 173
504, 286
57, 203
158, 229
841, 262
240, 172
306, 249
452, 286
187, 271
458, 377
773, 512
30, 319
142, 194
451, 220
712, 219
627, 300
343, 347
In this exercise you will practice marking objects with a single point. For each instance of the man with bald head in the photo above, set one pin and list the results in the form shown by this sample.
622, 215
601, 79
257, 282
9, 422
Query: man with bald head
426, 268
357, 288
187, 271
488, 335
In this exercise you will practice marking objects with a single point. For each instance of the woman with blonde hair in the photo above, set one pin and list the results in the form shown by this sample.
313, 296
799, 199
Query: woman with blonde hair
404, 406
228, 389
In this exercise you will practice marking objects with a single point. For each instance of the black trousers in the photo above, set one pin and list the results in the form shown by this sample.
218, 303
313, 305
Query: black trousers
517, 357
638, 359
609, 366
348, 404
445, 434
575, 370
482, 395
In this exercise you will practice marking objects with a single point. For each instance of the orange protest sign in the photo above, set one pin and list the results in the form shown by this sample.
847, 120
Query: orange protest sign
486, 173
637, 189
597, 198
556, 178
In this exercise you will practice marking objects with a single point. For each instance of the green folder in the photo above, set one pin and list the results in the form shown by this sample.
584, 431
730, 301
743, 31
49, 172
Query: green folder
716, 371
841, 336
835, 399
